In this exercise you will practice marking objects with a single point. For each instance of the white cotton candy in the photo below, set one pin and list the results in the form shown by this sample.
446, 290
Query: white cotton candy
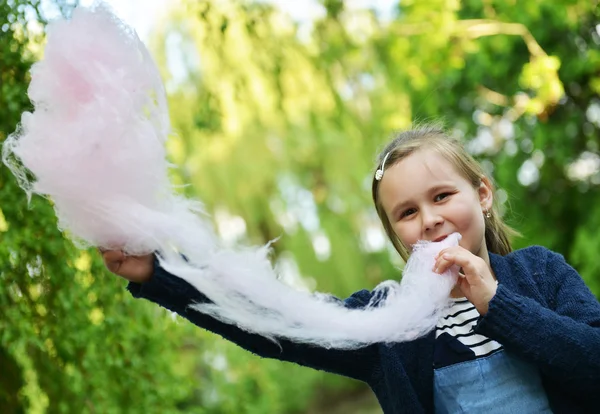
95, 142
246, 292
95, 146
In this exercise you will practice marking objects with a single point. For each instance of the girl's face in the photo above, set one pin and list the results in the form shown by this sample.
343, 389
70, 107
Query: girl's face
425, 198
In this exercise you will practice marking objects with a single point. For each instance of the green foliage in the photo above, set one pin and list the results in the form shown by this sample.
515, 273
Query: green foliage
276, 128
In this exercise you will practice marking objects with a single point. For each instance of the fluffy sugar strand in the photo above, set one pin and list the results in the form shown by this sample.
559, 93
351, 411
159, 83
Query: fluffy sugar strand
397, 312
94, 145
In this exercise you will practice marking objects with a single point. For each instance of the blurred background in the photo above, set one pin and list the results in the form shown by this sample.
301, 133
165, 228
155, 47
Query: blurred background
279, 109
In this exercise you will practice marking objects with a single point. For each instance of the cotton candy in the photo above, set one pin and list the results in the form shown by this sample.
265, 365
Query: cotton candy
95, 146
251, 297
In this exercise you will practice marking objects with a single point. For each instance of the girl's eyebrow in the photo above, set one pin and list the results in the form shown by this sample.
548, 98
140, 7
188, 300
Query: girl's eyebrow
442, 186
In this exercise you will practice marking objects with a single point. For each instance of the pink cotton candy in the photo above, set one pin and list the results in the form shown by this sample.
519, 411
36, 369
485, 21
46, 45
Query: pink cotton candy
95, 146
95, 142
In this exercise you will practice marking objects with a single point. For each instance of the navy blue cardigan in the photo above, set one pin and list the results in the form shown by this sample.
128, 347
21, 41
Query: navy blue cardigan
542, 311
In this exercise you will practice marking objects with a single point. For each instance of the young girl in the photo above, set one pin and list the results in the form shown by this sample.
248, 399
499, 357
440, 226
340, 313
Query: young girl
523, 334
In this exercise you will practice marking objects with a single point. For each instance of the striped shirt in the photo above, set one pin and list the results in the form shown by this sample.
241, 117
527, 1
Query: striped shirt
458, 322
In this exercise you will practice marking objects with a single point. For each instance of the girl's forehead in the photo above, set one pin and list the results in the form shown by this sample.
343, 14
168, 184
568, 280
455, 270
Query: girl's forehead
416, 175
428, 161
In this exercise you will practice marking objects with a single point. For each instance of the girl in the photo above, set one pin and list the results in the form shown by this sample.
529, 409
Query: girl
523, 335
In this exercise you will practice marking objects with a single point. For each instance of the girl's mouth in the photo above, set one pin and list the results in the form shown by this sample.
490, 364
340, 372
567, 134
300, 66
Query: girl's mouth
439, 239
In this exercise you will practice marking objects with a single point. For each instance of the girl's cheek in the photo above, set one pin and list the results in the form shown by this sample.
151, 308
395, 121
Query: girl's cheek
404, 240
406, 235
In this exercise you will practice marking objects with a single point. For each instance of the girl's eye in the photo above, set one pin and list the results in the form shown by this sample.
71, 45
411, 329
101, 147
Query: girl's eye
407, 212
441, 196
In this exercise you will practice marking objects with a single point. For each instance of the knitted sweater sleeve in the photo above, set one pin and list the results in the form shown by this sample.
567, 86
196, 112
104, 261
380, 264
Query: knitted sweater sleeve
562, 338
175, 294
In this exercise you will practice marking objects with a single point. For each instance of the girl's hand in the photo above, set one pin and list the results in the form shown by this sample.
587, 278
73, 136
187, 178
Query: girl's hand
136, 269
475, 280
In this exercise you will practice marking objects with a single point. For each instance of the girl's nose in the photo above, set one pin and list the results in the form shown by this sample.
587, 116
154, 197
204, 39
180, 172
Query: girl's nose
431, 220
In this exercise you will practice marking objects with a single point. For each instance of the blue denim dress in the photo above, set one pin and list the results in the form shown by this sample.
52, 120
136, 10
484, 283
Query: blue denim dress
498, 383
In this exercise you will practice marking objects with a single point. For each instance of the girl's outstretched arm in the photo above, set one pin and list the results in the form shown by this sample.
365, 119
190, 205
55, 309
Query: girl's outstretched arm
561, 337
176, 295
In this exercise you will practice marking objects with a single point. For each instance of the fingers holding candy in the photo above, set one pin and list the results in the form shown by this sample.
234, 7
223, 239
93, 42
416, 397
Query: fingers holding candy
133, 268
476, 280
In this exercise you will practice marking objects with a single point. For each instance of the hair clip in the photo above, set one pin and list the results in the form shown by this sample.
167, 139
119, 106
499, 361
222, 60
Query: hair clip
379, 172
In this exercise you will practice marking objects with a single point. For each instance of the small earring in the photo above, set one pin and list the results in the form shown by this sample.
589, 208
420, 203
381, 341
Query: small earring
487, 213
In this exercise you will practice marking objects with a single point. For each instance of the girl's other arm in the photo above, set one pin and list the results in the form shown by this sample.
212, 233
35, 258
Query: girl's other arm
563, 339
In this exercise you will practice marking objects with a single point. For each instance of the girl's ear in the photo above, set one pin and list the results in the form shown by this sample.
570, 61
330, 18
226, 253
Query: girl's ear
486, 194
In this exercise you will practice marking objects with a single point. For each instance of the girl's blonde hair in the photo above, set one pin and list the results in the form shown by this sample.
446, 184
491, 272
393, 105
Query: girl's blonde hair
497, 233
